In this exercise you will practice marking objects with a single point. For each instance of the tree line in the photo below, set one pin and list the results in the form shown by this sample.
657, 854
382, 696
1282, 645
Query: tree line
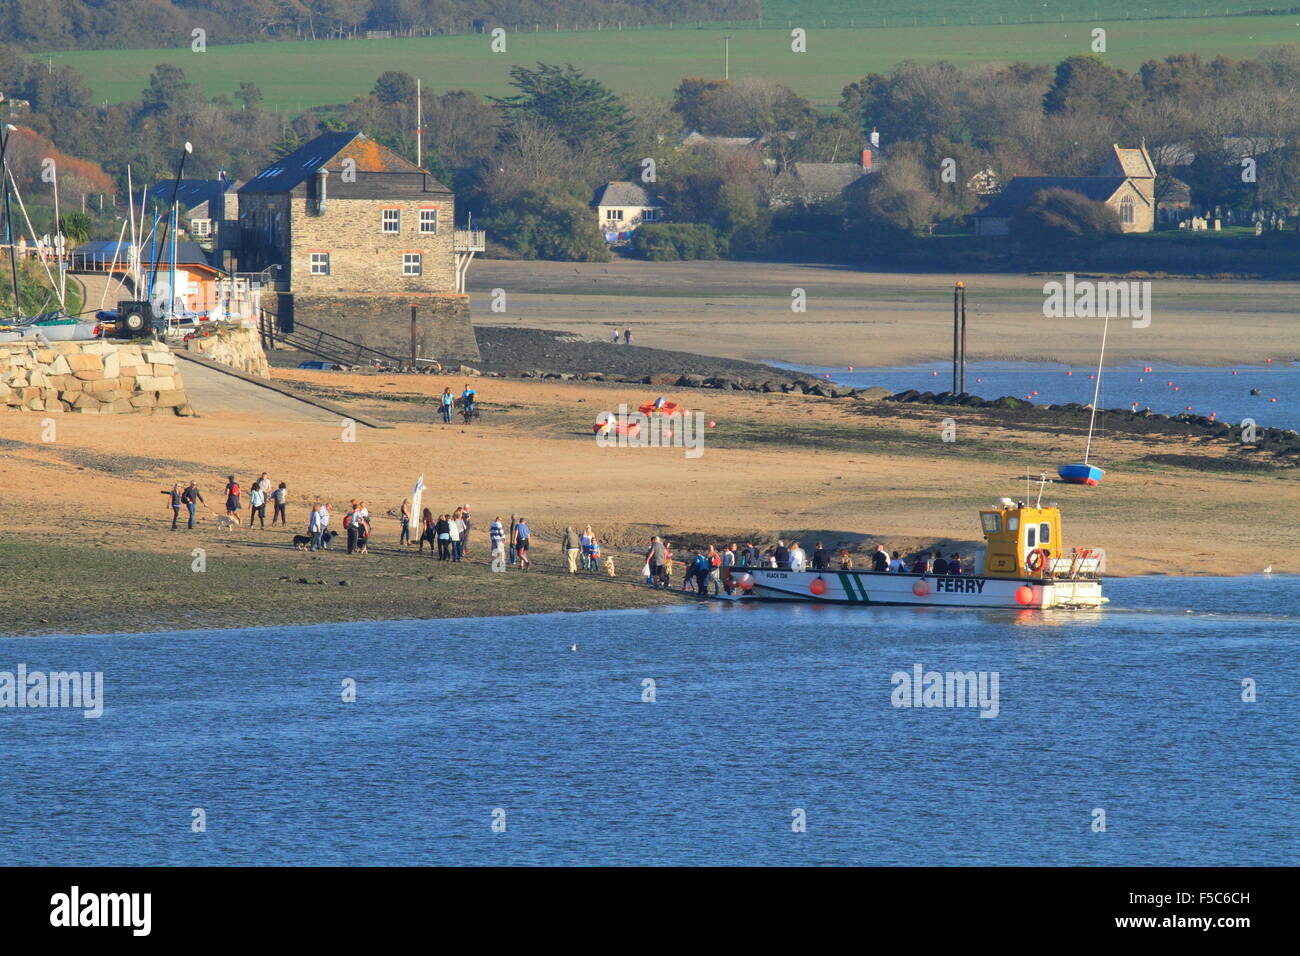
124, 24
526, 165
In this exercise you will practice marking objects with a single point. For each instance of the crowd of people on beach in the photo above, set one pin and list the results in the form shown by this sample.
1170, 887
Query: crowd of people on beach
448, 537
704, 568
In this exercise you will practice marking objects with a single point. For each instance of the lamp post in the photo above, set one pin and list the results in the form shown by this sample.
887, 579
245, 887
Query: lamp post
6, 133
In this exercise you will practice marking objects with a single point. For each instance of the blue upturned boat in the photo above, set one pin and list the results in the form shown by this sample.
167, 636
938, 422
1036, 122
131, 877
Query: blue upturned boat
1080, 474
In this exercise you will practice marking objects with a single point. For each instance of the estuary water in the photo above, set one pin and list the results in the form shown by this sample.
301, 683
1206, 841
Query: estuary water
1168, 390
708, 733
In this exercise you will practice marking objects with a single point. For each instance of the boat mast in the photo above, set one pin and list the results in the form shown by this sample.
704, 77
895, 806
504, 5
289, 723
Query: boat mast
6, 133
1096, 391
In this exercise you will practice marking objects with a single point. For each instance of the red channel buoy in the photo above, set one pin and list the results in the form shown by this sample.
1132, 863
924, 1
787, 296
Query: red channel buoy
1024, 594
921, 588
818, 587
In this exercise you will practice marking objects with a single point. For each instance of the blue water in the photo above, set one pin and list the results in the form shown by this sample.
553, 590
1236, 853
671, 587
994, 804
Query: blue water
1207, 390
760, 710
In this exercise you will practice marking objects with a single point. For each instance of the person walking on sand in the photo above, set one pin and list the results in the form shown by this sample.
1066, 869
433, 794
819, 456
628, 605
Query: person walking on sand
510, 538
175, 500
363, 529
314, 527
233, 503
464, 534
428, 532
497, 537
627, 335
191, 496
257, 505
324, 525
277, 502
572, 548
405, 513
522, 534
350, 522
613, 336
444, 405
444, 537
455, 528
656, 557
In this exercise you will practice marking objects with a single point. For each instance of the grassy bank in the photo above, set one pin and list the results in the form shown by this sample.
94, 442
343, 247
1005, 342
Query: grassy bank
257, 579
296, 75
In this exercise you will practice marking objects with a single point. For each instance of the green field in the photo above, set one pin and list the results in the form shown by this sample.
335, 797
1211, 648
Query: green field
297, 75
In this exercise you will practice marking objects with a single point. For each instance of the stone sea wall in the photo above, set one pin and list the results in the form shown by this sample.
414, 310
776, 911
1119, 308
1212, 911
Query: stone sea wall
234, 345
91, 378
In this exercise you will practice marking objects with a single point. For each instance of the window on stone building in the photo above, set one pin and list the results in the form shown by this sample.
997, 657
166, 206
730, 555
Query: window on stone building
429, 220
392, 220
1126, 211
320, 263
614, 215
411, 263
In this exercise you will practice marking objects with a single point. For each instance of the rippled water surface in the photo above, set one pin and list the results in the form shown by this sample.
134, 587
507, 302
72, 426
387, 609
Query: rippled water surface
759, 711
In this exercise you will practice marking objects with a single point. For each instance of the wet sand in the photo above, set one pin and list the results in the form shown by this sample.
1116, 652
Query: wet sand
742, 310
841, 471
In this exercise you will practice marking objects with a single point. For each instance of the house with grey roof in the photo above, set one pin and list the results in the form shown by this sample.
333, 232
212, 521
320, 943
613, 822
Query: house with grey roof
1126, 183
622, 206
362, 244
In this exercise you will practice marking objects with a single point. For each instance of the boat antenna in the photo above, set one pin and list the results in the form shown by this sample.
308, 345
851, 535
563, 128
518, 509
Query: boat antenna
1096, 391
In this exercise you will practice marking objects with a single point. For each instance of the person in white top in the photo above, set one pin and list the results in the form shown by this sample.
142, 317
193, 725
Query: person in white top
797, 557
455, 527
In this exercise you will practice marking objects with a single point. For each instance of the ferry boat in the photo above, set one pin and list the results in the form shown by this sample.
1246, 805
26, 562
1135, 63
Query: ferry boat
1023, 565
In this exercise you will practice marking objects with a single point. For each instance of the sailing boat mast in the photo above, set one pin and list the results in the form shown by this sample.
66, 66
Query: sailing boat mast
1096, 390
6, 133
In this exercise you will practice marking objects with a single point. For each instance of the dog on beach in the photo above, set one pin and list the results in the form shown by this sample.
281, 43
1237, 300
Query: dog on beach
609, 566
303, 541
227, 523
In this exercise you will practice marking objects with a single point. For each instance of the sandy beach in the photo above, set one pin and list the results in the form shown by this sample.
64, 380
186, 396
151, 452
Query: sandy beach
845, 472
742, 310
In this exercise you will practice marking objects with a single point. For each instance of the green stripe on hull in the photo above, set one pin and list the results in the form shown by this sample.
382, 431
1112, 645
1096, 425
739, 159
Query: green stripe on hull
847, 582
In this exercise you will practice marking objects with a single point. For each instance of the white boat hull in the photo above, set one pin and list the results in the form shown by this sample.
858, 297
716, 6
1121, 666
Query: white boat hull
876, 587
80, 332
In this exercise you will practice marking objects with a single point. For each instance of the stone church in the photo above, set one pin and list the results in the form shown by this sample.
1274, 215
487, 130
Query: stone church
1126, 182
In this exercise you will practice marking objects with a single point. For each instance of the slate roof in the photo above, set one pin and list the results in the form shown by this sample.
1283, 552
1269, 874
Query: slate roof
187, 253
625, 194
1021, 190
1134, 162
191, 192
328, 151
827, 179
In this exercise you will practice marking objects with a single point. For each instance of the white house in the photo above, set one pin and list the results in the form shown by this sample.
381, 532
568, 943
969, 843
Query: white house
622, 206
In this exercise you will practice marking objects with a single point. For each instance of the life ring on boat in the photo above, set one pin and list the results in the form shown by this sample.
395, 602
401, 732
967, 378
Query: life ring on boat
1036, 559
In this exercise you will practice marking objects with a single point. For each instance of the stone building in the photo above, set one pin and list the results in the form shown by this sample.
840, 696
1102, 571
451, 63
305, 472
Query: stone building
1125, 182
354, 237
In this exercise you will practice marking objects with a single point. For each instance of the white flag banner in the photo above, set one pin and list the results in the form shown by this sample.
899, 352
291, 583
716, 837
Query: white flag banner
417, 493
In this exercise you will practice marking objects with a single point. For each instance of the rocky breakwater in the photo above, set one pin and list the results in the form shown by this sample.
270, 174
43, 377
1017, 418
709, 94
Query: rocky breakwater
91, 378
231, 344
